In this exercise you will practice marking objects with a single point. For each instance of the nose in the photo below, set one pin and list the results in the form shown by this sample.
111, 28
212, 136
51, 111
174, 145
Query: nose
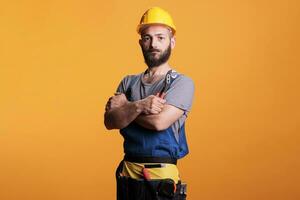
153, 43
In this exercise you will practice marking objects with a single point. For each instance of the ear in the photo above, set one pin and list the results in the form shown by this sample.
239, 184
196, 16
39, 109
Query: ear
173, 41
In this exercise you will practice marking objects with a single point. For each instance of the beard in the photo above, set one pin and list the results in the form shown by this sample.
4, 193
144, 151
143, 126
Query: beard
152, 61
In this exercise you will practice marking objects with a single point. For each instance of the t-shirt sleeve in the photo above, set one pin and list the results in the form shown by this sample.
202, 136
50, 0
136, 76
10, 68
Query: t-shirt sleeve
122, 87
181, 93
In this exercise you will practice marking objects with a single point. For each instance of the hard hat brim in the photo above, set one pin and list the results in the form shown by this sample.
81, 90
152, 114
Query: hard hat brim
142, 27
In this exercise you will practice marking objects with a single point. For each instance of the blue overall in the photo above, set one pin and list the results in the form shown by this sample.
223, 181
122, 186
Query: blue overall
139, 141
142, 142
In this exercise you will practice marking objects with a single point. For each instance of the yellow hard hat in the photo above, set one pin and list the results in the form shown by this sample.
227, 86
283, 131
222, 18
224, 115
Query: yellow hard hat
156, 15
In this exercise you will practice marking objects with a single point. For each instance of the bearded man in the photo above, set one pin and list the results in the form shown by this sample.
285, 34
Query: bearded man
150, 109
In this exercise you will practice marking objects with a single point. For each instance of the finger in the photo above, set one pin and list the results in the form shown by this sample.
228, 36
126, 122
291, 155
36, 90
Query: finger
108, 103
147, 112
156, 108
154, 112
107, 107
161, 106
160, 100
158, 104
113, 105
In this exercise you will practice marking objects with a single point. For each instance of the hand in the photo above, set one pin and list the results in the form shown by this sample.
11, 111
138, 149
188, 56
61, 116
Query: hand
116, 101
152, 104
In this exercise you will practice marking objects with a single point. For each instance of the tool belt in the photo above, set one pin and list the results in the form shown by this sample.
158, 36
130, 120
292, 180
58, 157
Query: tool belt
143, 189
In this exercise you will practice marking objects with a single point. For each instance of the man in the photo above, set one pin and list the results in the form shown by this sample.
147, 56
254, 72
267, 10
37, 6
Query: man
150, 110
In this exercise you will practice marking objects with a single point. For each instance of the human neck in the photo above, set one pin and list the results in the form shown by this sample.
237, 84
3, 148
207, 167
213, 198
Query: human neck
159, 70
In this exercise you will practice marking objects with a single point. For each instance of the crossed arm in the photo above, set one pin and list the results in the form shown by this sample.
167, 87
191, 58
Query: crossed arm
151, 113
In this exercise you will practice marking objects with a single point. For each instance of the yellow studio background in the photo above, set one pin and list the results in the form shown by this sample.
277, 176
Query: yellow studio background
61, 60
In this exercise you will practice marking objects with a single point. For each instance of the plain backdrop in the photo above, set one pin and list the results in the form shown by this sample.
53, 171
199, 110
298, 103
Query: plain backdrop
61, 60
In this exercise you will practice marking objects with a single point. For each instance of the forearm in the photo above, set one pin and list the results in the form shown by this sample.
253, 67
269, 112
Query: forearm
161, 121
120, 117
148, 121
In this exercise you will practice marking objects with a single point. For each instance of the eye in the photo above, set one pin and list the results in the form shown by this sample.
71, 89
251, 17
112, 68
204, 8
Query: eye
161, 38
145, 39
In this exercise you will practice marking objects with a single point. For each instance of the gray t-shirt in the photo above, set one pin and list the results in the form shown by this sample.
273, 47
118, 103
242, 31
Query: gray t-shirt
180, 94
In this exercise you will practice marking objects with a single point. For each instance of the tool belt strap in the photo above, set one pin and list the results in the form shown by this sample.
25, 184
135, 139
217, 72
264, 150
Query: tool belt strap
139, 159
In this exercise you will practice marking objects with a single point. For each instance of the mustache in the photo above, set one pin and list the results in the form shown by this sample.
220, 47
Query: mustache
153, 50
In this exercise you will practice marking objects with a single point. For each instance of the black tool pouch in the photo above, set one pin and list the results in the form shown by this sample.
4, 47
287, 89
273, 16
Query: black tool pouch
141, 189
